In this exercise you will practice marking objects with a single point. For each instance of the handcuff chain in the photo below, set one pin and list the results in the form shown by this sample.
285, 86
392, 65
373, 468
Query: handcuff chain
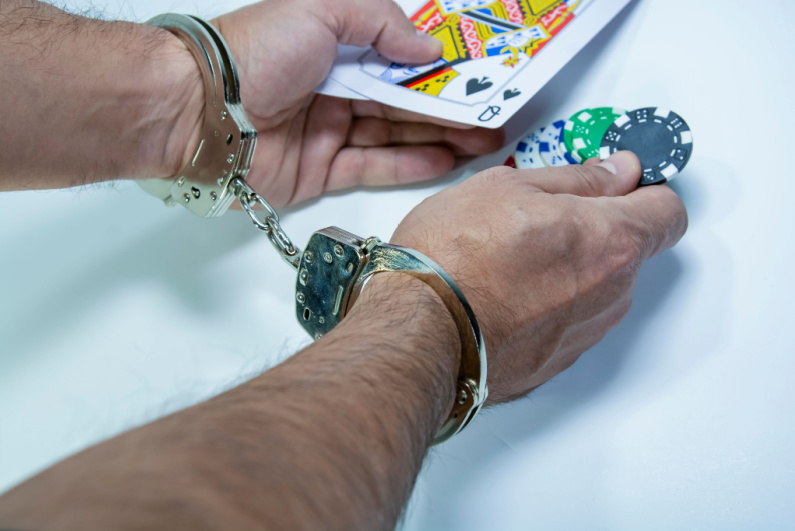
269, 224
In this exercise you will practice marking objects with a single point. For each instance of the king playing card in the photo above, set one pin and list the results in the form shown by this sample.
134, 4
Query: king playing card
497, 54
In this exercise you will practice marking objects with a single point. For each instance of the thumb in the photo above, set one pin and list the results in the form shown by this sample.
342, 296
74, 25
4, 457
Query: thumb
615, 176
382, 24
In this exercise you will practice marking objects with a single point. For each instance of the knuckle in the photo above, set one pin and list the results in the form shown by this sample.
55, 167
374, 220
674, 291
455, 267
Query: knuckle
629, 248
377, 132
623, 282
681, 218
390, 11
336, 10
617, 248
619, 311
624, 306
674, 225
495, 176
332, 7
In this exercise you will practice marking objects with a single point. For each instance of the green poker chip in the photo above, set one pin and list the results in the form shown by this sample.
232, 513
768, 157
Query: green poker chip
585, 129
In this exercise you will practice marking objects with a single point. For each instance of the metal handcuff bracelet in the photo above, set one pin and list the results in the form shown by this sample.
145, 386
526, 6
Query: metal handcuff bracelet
335, 264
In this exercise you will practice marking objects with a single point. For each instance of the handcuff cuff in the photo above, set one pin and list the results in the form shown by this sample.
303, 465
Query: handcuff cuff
333, 268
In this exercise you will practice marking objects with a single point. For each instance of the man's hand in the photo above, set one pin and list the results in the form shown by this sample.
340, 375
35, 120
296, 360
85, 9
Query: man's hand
137, 112
547, 258
333, 438
311, 143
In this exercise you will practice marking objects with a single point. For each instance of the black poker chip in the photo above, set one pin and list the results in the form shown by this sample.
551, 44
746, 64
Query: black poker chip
659, 137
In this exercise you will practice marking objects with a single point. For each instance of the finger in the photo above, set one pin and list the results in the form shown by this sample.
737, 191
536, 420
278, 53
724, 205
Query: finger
379, 110
618, 175
658, 216
382, 24
593, 161
370, 132
382, 166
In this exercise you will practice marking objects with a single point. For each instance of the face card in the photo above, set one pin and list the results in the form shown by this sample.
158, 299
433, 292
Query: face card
492, 62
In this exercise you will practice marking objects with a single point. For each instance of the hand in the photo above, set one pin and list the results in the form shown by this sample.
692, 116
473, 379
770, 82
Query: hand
311, 143
547, 258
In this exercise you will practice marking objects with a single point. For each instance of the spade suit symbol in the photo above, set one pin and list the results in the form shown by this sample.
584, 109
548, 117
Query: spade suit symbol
508, 94
474, 85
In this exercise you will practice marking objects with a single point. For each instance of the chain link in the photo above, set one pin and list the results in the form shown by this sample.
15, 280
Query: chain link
269, 223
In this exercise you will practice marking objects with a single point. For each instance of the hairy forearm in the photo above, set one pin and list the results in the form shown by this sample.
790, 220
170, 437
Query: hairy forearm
331, 439
87, 100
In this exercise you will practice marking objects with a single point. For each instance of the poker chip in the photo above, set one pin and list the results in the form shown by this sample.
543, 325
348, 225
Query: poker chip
552, 147
659, 137
527, 155
585, 129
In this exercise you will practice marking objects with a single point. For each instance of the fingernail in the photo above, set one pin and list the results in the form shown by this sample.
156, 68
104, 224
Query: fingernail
621, 162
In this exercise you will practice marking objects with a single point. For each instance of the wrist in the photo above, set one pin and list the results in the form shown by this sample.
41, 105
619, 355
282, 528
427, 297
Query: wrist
363, 403
178, 108
406, 314
132, 114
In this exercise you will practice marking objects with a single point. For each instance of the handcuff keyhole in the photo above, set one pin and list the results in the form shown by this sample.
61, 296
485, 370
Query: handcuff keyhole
229, 139
307, 314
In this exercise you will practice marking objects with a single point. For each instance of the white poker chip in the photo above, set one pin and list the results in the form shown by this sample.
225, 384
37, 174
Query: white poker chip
527, 154
552, 148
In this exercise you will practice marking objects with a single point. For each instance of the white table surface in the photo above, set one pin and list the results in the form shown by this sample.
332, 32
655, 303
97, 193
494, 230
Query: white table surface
115, 310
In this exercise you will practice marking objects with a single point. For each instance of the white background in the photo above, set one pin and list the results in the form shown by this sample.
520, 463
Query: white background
115, 310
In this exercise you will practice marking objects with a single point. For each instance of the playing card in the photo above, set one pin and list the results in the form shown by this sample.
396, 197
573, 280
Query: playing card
333, 88
497, 55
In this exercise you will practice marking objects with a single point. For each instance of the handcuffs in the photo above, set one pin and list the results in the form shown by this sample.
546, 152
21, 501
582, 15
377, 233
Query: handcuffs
335, 264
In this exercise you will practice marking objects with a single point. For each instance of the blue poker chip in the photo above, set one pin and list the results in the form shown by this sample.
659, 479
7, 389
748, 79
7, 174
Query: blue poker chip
659, 137
527, 155
552, 146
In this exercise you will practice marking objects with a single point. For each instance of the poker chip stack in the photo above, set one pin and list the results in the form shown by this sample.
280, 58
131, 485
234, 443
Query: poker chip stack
659, 137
